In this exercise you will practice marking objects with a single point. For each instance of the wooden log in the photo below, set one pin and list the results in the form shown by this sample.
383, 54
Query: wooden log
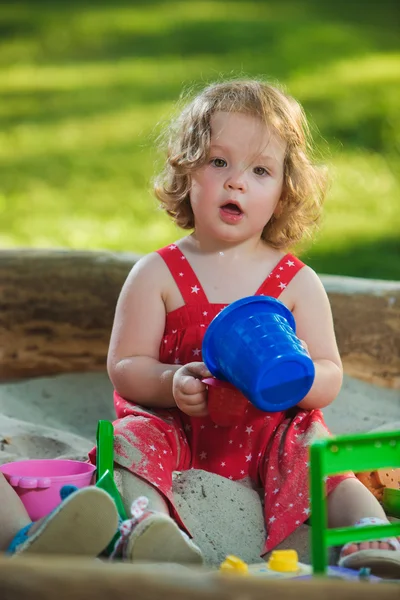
366, 315
57, 308
47, 578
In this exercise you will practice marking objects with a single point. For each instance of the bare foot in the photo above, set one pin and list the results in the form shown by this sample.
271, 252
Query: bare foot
375, 545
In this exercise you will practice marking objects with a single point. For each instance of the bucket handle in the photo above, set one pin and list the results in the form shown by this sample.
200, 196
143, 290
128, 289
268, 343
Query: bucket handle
30, 483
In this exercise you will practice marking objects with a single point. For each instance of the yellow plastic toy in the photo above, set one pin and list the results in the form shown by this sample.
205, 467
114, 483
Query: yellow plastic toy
233, 564
284, 561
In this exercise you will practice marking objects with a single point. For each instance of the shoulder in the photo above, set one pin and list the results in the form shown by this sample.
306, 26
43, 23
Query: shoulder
309, 296
148, 265
149, 272
306, 285
307, 277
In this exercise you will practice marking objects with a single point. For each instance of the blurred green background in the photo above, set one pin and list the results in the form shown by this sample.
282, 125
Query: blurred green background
86, 85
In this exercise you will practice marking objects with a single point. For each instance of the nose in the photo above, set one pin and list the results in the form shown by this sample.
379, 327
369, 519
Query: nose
235, 182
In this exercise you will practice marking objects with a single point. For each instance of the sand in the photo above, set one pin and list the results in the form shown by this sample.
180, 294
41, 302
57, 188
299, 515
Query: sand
57, 417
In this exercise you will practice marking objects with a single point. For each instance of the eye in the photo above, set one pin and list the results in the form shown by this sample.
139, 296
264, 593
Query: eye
219, 162
260, 171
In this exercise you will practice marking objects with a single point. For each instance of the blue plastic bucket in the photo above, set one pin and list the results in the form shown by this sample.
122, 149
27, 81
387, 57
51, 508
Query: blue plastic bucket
252, 344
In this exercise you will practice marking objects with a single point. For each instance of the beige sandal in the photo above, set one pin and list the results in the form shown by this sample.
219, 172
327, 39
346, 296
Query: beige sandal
154, 537
383, 563
83, 524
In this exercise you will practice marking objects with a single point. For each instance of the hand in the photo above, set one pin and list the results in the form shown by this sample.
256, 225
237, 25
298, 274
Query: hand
190, 393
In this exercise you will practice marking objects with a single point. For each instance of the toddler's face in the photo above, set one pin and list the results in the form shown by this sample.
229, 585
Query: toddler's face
234, 195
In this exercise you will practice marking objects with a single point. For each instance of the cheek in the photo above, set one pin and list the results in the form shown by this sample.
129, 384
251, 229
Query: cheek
194, 190
275, 190
198, 184
201, 188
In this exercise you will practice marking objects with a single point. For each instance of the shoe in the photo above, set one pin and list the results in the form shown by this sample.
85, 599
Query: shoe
154, 537
382, 563
83, 524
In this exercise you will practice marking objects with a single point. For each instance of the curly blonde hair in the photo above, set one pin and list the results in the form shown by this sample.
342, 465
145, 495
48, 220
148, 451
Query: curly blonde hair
304, 183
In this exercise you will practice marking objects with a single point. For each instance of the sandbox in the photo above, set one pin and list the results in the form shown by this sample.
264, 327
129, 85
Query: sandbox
57, 310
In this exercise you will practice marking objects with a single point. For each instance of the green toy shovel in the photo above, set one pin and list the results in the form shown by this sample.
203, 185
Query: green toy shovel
105, 464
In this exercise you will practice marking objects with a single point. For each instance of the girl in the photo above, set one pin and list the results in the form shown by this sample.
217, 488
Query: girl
239, 175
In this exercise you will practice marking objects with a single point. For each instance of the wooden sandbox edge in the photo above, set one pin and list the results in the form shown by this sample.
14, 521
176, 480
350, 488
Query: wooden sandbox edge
57, 309
49, 578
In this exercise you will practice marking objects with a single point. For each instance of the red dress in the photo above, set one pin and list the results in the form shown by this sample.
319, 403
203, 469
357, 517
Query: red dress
271, 448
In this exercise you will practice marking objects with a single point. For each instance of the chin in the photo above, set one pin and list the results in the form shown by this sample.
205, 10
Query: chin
232, 239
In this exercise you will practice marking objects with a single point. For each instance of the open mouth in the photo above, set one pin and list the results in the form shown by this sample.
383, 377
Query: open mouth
231, 209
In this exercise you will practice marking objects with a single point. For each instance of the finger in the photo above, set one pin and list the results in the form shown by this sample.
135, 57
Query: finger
190, 386
198, 369
195, 404
193, 399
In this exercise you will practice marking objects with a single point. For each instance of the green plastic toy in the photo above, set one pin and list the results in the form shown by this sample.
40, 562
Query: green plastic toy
391, 502
105, 464
358, 452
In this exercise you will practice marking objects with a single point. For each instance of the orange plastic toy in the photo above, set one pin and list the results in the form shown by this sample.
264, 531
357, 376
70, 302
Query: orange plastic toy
377, 481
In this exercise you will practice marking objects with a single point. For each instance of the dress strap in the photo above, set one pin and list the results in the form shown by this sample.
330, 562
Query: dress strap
183, 274
280, 276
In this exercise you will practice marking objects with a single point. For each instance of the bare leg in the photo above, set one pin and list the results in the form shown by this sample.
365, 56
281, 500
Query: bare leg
131, 487
13, 515
349, 502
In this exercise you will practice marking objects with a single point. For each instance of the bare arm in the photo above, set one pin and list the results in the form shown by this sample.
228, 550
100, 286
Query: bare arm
133, 358
314, 323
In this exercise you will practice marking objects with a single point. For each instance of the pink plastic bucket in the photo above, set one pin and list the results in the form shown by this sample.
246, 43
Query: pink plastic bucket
38, 482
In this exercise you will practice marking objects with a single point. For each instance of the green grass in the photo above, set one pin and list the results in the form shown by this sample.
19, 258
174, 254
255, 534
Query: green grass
86, 85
